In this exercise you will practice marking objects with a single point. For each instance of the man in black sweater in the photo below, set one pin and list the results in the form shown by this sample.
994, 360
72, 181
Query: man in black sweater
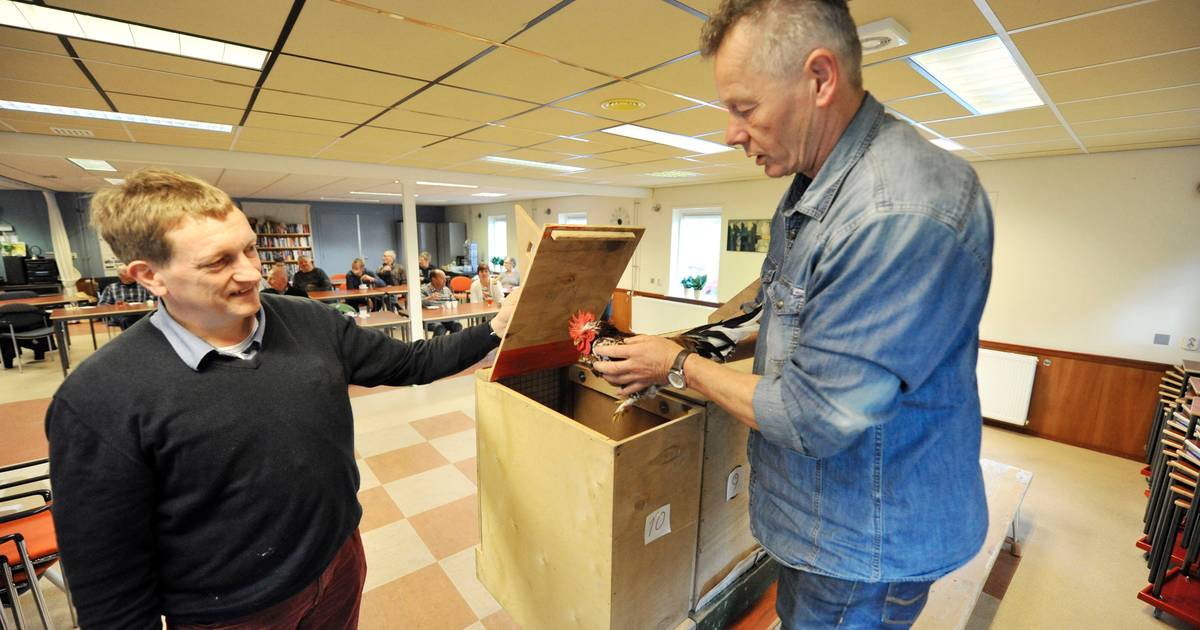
277, 283
190, 493
311, 278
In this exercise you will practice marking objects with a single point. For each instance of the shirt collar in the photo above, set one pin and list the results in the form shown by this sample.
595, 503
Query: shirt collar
817, 194
190, 348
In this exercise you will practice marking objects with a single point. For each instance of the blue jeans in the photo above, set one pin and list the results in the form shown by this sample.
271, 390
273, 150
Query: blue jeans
808, 600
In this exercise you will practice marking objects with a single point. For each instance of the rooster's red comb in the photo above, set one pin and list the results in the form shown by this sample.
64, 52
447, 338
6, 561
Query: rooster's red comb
579, 324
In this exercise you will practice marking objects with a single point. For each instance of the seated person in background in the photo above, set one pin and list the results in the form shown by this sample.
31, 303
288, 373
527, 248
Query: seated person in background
426, 266
485, 288
435, 294
357, 278
23, 318
277, 283
310, 278
510, 277
391, 273
124, 291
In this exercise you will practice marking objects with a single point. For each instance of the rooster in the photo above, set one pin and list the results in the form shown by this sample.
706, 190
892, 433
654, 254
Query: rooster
716, 341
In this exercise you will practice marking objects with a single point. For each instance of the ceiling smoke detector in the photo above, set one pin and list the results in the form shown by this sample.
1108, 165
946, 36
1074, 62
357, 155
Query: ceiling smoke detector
882, 35
622, 104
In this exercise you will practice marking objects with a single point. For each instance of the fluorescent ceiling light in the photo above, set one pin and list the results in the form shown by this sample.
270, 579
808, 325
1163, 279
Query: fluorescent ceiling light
352, 200
674, 174
489, 194
981, 75
446, 184
687, 143
947, 144
114, 181
60, 22
92, 165
531, 164
77, 112
384, 194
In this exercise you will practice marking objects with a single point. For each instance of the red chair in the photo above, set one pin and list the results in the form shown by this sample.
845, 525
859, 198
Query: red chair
28, 545
338, 280
460, 284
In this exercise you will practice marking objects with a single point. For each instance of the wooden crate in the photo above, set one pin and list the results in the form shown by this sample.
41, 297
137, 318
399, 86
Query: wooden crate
575, 529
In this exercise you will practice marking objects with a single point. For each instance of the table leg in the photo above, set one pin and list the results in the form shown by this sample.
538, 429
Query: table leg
62, 345
92, 325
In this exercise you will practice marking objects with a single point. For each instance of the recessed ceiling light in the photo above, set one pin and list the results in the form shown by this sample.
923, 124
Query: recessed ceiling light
531, 164
56, 110
947, 144
882, 35
114, 181
622, 104
574, 138
446, 184
383, 194
674, 174
489, 194
92, 165
686, 143
352, 200
60, 22
981, 75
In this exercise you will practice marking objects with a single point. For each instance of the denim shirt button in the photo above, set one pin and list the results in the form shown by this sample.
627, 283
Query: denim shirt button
779, 305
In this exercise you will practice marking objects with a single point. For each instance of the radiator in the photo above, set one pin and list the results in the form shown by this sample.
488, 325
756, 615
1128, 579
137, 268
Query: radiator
1005, 385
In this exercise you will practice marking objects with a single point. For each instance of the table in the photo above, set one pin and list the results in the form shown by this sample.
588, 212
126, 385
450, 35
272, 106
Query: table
463, 311
386, 320
62, 316
53, 299
342, 294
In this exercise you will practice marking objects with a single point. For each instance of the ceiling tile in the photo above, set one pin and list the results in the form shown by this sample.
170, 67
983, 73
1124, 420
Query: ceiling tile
643, 33
535, 155
587, 162
656, 102
690, 77
1016, 14
597, 142
384, 141
1030, 154
1044, 134
128, 80
46, 68
317, 78
304, 142
180, 137
558, 121
244, 183
662, 150
456, 150
1180, 68
496, 20
26, 92
1057, 146
425, 123
110, 131
522, 75
1144, 29
514, 136
367, 39
628, 156
297, 124
22, 39
692, 122
1132, 104
934, 107
94, 53
133, 104
1019, 119
895, 79
1171, 120
313, 107
298, 150
255, 23
1140, 139
932, 23
459, 103
355, 155
299, 184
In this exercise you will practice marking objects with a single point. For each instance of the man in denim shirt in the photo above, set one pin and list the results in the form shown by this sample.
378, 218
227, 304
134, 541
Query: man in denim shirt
865, 479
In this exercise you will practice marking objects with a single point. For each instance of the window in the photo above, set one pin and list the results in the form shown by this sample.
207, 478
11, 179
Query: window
572, 218
695, 250
497, 237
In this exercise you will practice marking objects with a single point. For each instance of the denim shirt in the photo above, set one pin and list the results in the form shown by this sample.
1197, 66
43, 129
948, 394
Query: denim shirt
866, 464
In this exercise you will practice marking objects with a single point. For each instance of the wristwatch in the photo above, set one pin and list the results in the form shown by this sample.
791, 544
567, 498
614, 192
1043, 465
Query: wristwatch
675, 374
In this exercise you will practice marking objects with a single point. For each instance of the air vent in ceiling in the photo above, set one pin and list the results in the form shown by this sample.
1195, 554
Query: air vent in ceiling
74, 133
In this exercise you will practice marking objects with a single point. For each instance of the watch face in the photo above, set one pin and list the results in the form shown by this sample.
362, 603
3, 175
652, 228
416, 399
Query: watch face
675, 379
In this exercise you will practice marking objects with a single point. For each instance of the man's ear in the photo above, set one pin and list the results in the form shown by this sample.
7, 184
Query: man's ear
146, 274
824, 69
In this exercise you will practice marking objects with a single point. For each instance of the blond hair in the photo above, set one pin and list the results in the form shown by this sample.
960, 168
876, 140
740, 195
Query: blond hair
134, 218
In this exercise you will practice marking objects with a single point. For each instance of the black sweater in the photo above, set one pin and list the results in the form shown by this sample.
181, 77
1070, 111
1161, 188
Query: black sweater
207, 495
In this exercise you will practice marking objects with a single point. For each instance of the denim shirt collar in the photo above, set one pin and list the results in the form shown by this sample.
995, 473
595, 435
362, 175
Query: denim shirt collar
190, 348
817, 194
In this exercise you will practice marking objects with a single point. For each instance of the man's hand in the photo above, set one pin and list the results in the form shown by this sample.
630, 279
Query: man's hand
500, 321
647, 359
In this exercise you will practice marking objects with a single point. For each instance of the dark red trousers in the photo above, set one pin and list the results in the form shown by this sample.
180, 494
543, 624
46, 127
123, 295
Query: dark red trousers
329, 603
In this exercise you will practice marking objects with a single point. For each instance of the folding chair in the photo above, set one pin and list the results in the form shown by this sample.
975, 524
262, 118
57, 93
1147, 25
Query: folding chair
22, 322
28, 547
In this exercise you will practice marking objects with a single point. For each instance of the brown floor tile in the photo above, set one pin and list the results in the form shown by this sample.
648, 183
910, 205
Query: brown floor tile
445, 424
24, 430
358, 390
378, 509
404, 462
450, 528
467, 467
424, 599
500, 620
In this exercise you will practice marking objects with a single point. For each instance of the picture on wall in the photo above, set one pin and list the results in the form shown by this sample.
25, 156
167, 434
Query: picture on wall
748, 235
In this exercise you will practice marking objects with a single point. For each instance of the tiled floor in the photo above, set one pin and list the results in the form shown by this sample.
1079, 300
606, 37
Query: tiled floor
420, 522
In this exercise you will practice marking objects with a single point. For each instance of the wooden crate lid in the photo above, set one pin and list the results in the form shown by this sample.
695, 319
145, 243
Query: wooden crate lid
576, 267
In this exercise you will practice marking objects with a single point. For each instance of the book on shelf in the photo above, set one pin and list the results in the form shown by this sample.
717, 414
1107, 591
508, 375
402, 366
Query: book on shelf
267, 227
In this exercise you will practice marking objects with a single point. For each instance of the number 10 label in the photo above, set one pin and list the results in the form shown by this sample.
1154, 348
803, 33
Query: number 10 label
658, 524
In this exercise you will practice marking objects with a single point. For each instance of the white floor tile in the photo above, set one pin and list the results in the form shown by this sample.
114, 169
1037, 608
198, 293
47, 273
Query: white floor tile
457, 446
460, 567
367, 478
430, 489
393, 551
384, 440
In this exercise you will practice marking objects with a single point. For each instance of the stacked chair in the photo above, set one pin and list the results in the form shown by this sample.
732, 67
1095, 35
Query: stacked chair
1172, 533
28, 546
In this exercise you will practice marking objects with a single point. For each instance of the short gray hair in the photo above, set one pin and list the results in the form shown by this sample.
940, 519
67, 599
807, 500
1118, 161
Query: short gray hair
789, 30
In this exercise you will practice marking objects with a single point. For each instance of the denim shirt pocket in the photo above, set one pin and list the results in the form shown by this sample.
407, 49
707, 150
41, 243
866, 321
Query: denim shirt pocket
786, 304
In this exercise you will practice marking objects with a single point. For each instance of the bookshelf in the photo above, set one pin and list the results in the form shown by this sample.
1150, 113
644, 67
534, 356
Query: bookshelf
281, 242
